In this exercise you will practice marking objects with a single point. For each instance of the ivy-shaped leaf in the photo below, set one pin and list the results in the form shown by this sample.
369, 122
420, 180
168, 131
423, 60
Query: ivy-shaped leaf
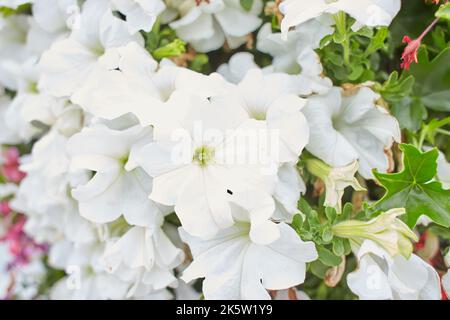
414, 188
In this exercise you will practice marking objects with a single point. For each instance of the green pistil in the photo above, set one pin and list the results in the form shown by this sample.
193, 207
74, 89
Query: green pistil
203, 155
33, 87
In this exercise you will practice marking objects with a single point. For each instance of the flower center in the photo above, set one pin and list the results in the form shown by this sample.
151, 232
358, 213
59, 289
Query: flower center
203, 155
257, 115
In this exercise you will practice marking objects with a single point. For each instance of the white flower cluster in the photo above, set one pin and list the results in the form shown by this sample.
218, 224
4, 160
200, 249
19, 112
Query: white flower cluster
124, 143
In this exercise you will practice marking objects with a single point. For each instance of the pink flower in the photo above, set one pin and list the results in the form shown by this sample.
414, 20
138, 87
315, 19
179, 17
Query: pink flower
21, 246
10, 168
5, 208
410, 53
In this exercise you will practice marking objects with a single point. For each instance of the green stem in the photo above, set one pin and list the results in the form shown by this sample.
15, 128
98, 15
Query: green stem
443, 131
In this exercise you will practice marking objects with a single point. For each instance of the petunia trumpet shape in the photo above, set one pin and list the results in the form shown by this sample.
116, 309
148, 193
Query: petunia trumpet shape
271, 98
140, 14
236, 267
143, 257
336, 180
118, 187
380, 276
69, 62
206, 25
206, 150
386, 230
348, 125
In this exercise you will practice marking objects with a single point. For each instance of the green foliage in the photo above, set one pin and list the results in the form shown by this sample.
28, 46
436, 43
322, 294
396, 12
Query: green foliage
397, 91
172, 49
52, 276
316, 226
442, 232
6, 11
432, 85
200, 63
444, 11
163, 43
352, 56
414, 188
395, 88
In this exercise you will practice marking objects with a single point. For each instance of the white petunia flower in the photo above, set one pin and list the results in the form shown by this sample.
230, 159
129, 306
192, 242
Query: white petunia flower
371, 13
43, 195
143, 257
348, 126
5, 276
26, 77
288, 189
140, 14
446, 277
52, 20
7, 190
336, 180
132, 83
236, 267
237, 67
32, 110
207, 25
271, 98
28, 279
380, 276
69, 62
296, 55
207, 149
443, 171
117, 187
86, 279
13, 46
7, 136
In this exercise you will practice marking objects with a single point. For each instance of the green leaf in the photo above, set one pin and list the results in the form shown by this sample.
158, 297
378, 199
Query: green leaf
396, 88
440, 231
246, 4
414, 188
7, 11
410, 112
327, 235
346, 211
432, 84
172, 49
297, 222
444, 12
327, 257
318, 269
199, 63
338, 246
330, 213
433, 126
378, 41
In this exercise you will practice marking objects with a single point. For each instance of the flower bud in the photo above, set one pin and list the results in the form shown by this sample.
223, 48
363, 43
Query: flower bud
386, 230
335, 179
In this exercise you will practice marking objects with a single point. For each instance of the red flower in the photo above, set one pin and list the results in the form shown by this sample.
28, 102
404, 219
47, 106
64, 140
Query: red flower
410, 53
